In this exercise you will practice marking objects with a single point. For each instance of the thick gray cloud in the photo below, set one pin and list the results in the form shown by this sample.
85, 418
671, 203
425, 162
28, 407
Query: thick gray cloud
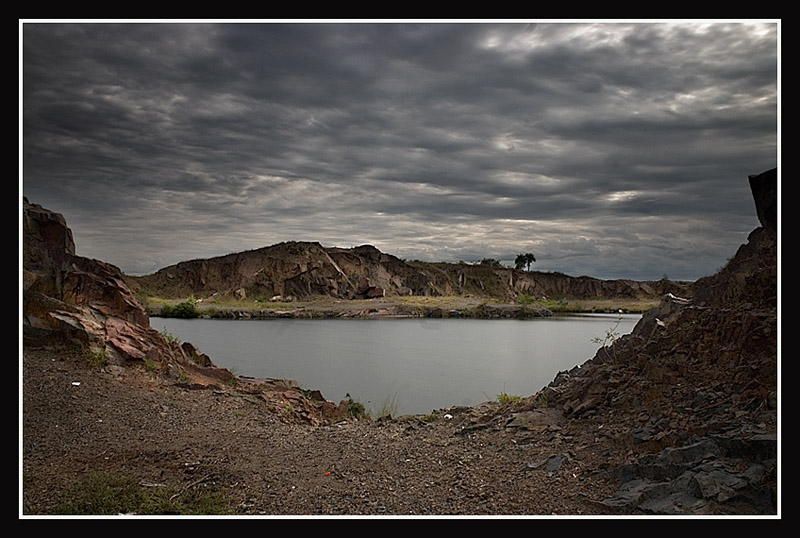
608, 149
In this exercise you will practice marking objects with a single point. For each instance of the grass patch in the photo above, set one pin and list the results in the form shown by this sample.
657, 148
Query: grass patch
110, 494
631, 306
96, 357
151, 366
161, 307
430, 417
388, 409
505, 398
525, 299
435, 301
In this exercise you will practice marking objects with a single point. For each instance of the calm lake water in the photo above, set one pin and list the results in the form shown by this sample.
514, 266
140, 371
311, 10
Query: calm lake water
415, 365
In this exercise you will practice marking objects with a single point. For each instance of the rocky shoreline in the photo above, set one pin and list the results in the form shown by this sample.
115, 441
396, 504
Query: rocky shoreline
396, 308
377, 310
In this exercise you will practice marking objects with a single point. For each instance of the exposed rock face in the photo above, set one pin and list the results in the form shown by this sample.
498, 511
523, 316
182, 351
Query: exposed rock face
295, 269
48, 241
699, 372
539, 284
66, 293
68, 299
300, 269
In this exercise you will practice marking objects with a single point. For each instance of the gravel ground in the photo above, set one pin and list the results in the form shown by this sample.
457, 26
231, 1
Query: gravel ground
78, 419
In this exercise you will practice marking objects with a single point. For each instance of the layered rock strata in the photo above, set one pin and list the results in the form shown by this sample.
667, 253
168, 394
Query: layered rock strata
77, 301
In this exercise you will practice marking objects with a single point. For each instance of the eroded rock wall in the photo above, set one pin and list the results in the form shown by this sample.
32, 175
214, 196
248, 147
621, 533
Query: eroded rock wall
301, 269
76, 301
695, 372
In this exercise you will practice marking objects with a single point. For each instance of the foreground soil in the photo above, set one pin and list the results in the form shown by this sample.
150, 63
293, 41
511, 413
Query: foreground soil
80, 419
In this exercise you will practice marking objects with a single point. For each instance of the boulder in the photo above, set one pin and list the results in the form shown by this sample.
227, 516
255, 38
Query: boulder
373, 292
194, 354
80, 301
706, 475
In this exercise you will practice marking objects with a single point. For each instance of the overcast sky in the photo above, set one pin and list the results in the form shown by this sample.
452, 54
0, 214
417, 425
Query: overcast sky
606, 149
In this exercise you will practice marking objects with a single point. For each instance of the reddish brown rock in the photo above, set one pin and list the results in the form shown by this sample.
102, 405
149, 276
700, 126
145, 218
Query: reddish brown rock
53, 272
68, 299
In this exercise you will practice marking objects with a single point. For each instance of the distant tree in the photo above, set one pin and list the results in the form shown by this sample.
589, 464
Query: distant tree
491, 262
524, 260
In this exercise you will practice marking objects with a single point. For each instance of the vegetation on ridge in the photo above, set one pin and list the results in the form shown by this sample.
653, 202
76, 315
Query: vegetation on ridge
323, 306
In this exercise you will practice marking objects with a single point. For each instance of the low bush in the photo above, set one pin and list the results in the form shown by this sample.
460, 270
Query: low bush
185, 309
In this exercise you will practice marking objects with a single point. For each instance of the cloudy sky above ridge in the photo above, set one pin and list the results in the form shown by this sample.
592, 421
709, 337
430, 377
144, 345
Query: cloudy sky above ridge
615, 150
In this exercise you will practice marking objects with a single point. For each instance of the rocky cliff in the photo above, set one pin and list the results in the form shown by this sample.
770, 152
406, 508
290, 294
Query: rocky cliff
69, 300
68, 296
302, 269
695, 387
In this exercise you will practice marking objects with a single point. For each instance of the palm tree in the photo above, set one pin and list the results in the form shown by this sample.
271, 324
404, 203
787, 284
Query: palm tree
524, 260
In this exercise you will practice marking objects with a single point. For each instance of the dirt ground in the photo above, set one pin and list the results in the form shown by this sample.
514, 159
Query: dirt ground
78, 419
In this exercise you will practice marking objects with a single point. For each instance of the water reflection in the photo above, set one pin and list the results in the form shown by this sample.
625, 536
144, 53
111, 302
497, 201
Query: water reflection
417, 364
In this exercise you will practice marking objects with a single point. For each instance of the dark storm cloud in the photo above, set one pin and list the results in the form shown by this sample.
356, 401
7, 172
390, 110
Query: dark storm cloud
615, 150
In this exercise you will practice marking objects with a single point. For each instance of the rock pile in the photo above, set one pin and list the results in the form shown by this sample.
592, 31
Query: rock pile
694, 387
707, 475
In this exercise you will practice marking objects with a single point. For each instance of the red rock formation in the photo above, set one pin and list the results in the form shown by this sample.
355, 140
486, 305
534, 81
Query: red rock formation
84, 300
75, 300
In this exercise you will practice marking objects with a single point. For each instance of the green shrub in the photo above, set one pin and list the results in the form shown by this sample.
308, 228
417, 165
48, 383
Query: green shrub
356, 409
524, 299
185, 309
169, 337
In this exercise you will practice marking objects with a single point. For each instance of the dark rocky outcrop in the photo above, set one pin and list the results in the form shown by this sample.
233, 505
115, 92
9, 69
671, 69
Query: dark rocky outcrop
695, 387
706, 475
765, 194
